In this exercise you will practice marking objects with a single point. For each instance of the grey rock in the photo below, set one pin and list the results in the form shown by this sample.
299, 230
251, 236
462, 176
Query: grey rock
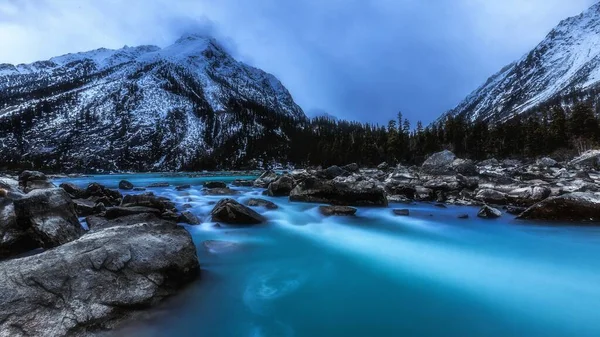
579, 207
95, 283
215, 184
158, 185
117, 211
148, 200
49, 216
189, 218
492, 197
220, 191
487, 212
74, 191
33, 180
439, 163
282, 186
352, 168
230, 211
14, 239
337, 210
125, 185
255, 202
265, 179
356, 193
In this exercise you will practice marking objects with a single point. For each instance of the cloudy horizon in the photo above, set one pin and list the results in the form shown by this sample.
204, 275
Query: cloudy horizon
360, 60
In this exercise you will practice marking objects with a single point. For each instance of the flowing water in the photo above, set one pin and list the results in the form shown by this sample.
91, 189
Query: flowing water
429, 274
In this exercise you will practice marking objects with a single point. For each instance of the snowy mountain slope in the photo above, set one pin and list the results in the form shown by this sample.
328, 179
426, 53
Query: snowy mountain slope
566, 61
141, 108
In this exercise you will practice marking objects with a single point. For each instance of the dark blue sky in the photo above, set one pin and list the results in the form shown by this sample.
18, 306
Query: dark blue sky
356, 59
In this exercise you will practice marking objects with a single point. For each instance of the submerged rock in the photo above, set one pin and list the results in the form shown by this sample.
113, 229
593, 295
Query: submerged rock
579, 206
220, 191
96, 282
488, 212
161, 184
463, 216
401, 212
215, 184
255, 202
358, 193
230, 211
125, 185
49, 216
243, 183
337, 210
220, 247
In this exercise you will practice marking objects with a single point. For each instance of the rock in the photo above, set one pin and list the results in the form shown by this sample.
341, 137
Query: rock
220, 247
528, 196
399, 199
255, 202
102, 194
183, 187
189, 218
546, 162
463, 216
337, 210
96, 282
579, 206
465, 167
491, 196
404, 189
439, 163
400, 173
125, 185
33, 180
243, 183
220, 191
49, 216
97, 222
444, 183
14, 239
351, 168
148, 200
265, 179
85, 207
157, 185
511, 163
331, 172
424, 194
383, 166
9, 185
488, 212
230, 211
74, 191
489, 162
361, 193
282, 186
401, 212
589, 158
117, 211
215, 184
514, 210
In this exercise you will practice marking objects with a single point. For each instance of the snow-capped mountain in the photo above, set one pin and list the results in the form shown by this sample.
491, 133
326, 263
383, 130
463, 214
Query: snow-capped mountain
566, 62
139, 108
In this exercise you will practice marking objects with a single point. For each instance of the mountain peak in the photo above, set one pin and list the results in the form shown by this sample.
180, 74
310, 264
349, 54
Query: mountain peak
567, 61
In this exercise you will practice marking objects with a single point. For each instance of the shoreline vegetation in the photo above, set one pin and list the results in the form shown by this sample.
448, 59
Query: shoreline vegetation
65, 272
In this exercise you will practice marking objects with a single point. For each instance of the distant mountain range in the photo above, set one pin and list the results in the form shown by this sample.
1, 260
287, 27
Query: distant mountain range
566, 64
140, 108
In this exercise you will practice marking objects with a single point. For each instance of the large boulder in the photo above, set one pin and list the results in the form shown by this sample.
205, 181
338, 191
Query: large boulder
49, 216
331, 172
589, 158
282, 186
439, 163
232, 212
33, 180
14, 239
11, 187
546, 162
215, 184
125, 185
345, 193
74, 191
95, 283
265, 179
352, 168
579, 206
465, 167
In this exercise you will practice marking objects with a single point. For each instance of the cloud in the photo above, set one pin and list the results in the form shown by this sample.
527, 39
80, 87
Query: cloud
359, 59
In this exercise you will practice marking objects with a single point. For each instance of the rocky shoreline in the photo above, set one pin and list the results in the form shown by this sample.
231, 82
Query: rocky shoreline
62, 279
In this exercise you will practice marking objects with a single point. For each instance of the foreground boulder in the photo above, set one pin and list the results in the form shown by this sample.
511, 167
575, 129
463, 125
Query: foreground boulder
96, 282
49, 216
232, 212
281, 187
579, 206
356, 193
337, 210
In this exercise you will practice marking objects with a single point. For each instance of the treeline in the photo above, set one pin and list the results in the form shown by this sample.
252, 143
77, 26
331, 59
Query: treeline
557, 131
